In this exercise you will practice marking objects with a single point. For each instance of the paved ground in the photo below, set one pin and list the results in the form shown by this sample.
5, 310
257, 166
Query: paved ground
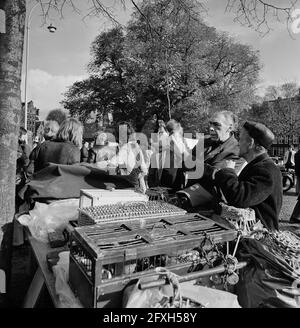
21, 278
289, 201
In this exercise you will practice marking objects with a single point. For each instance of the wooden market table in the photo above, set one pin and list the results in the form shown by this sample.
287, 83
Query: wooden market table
43, 277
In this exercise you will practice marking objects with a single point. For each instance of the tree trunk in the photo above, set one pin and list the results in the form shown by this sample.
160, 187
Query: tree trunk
11, 50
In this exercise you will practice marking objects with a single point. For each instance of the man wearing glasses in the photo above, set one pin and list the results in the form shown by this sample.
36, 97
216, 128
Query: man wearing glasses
221, 145
221, 150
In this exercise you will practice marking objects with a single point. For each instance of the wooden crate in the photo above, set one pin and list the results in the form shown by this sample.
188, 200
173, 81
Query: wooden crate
96, 197
104, 258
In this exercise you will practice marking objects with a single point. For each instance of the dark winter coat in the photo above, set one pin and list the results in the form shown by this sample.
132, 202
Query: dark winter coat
216, 153
259, 186
215, 156
22, 156
56, 152
297, 164
84, 154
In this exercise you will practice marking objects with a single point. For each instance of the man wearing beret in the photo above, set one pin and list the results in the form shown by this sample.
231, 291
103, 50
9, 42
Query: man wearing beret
259, 185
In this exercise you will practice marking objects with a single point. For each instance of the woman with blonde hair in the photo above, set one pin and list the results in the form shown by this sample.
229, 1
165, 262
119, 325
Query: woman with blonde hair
47, 131
65, 149
71, 130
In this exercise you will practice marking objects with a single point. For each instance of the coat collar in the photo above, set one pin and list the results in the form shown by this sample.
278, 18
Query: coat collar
229, 142
259, 158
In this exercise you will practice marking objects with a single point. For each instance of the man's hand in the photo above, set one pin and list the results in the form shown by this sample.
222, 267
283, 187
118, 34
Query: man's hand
230, 164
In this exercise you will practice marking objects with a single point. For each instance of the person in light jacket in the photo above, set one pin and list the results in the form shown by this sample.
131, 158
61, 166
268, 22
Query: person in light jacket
289, 158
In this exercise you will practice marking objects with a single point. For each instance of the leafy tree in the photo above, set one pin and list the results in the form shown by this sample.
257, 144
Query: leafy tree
279, 110
183, 63
284, 90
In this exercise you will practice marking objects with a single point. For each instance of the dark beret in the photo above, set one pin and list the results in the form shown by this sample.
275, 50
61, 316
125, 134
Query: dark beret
260, 133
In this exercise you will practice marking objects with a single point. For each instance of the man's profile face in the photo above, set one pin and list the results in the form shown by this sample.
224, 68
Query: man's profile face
244, 142
219, 128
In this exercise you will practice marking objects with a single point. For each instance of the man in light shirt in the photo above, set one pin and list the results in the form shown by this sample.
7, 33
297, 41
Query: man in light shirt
130, 156
289, 158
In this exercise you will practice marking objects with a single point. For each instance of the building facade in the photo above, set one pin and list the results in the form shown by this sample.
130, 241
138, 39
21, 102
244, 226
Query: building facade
32, 117
291, 109
282, 143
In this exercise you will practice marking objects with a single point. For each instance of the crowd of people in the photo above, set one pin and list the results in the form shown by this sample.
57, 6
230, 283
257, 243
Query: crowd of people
236, 170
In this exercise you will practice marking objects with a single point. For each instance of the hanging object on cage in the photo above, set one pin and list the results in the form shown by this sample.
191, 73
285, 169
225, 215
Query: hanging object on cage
243, 219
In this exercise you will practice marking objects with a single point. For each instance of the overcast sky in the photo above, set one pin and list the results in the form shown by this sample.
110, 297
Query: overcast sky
56, 60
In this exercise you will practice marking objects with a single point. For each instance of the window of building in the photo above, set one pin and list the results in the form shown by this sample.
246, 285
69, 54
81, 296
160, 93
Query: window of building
280, 140
295, 140
286, 140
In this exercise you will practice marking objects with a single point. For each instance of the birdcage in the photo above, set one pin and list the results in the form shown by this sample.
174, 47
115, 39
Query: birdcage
105, 257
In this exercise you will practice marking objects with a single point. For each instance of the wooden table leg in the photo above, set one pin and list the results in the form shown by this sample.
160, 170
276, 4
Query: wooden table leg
34, 290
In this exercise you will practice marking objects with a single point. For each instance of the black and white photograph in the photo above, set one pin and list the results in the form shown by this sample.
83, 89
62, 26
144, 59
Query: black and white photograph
149, 158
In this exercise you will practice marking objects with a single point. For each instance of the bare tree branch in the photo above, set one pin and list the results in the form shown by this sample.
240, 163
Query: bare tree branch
257, 14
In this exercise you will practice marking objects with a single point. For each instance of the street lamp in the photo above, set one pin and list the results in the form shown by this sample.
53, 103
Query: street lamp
51, 29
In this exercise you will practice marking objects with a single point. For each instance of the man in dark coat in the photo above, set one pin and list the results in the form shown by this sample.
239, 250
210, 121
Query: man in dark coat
295, 217
259, 185
84, 152
221, 144
219, 147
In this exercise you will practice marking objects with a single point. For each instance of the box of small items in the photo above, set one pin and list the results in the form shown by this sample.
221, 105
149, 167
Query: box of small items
127, 211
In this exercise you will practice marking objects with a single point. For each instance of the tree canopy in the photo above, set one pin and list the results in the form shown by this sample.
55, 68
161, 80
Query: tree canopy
279, 110
256, 14
183, 68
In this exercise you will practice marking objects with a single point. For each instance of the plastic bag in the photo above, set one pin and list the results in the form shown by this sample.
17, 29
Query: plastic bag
175, 294
44, 217
133, 297
61, 273
209, 297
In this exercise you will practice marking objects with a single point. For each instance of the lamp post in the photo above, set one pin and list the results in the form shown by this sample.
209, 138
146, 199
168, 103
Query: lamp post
51, 29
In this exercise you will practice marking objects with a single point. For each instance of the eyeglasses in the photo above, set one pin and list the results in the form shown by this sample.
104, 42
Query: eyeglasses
215, 124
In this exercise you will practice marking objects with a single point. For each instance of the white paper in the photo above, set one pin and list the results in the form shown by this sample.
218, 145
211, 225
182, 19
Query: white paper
191, 143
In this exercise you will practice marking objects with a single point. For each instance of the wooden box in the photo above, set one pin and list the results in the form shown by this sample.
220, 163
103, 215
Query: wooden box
95, 197
128, 211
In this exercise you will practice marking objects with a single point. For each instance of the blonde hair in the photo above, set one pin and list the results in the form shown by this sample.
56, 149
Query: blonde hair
71, 130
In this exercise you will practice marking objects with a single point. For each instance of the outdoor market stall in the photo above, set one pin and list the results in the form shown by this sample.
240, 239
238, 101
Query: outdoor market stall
150, 253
